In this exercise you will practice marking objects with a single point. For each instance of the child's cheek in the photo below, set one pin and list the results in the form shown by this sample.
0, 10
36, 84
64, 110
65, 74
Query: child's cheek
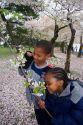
55, 87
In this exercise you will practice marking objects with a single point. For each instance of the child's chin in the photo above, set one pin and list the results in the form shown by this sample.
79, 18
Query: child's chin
51, 92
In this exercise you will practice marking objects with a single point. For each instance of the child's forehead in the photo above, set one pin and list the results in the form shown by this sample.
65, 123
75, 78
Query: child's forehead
39, 49
49, 76
50, 80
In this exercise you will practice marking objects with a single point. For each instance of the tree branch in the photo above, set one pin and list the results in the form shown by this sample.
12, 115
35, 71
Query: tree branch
63, 27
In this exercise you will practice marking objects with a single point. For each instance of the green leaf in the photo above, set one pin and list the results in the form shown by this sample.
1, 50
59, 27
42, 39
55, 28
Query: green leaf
24, 9
43, 90
36, 90
26, 84
39, 89
29, 73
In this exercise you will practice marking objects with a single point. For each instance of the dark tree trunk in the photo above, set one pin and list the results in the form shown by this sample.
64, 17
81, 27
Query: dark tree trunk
79, 53
56, 31
30, 38
9, 27
69, 49
63, 47
17, 49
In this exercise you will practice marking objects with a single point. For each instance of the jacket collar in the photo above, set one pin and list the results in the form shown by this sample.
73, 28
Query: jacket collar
66, 91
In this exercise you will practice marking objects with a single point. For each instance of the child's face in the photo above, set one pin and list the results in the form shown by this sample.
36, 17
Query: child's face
53, 85
40, 56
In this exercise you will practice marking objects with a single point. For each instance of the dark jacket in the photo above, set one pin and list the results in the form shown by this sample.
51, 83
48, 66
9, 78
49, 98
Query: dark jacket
28, 61
66, 108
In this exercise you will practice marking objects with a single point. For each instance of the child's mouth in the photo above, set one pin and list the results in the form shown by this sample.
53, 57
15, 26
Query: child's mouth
36, 61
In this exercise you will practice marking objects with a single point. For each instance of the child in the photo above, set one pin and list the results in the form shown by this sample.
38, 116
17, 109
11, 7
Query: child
36, 63
64, 99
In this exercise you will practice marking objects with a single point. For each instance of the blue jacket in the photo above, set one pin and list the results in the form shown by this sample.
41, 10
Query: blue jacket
36, 75
66, 108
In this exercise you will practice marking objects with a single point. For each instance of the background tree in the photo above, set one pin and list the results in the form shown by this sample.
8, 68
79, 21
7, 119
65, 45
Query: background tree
14, 16
64, 11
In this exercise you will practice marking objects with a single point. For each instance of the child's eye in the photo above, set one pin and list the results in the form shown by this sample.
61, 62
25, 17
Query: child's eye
39, 56
47, 83
34, 54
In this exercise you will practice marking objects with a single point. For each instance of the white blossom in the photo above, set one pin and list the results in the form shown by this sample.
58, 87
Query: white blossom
9, 16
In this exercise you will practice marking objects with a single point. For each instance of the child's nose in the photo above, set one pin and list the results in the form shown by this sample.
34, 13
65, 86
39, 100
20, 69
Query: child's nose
35, 57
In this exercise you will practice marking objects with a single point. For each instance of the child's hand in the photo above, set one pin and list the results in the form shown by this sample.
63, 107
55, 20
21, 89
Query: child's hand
29, 53
41, 104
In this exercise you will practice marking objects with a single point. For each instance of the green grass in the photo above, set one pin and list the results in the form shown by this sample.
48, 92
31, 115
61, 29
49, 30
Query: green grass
5, 52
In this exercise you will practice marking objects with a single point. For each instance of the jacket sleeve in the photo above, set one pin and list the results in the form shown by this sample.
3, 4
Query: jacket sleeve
65, 119
77, 112
21, 70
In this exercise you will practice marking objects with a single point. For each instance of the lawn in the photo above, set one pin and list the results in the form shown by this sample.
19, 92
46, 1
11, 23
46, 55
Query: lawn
6, 52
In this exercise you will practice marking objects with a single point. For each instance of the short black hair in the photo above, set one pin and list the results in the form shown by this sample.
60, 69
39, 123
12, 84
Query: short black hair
60, 74
46, 46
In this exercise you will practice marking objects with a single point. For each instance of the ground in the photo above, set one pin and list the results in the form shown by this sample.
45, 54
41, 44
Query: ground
14, 109
76, 64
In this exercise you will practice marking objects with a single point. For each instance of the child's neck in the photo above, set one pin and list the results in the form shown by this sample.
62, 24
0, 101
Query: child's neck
41, 65
59, 91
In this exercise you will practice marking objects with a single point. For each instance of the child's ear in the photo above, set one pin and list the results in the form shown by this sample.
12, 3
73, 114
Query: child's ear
48, 56
61, 83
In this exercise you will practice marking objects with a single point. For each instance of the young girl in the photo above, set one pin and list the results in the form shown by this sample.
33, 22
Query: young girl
64, 99
36, 63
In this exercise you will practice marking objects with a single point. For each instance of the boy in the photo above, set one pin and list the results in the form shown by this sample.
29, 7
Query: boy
36, 63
